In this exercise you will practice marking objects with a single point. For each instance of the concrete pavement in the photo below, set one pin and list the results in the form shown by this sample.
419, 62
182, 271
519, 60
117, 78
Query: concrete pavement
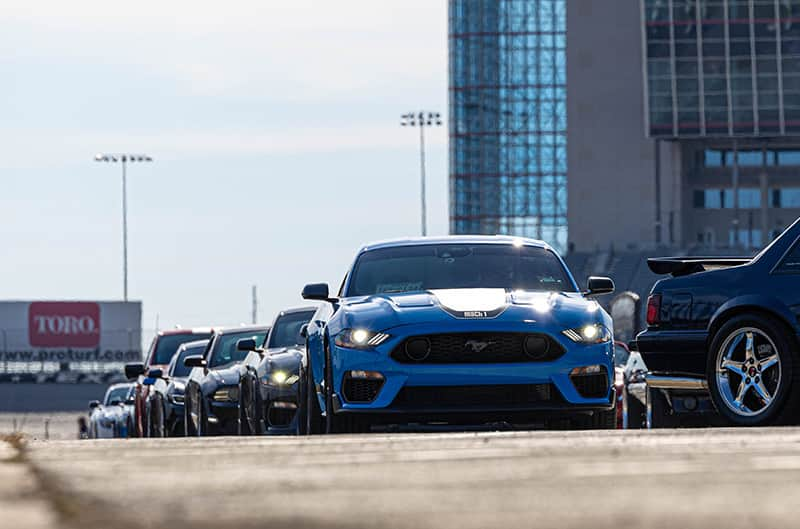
678, 478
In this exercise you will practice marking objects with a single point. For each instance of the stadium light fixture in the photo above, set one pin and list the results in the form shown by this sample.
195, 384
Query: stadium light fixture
124, 159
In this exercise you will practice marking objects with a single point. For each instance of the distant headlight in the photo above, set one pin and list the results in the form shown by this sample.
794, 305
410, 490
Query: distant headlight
589, 334
280, 378
360, 339
177, 398
230, 394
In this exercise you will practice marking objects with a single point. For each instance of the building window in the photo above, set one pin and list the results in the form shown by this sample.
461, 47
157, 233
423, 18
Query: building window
749, 198
713, 158
788, 197
788, 158
747, 238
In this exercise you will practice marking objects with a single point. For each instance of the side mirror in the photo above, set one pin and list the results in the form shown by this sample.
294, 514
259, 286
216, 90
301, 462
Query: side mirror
132, 371
94, 404
596, 286
155, 373
304, 331
194, 361
148, 381
246, 344
316, 291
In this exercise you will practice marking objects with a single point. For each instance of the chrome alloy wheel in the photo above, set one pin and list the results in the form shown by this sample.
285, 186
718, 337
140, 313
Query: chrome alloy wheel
748, 372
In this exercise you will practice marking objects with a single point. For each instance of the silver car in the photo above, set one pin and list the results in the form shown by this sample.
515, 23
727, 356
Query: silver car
113, 417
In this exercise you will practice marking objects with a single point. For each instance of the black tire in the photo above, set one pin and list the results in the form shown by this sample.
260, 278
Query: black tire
242, 426
156, 427
188, 427
784, 403
331, 425
311, 412
249, 409
202, 424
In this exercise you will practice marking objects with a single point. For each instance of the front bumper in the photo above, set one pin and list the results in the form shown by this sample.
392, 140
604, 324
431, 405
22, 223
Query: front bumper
541, 387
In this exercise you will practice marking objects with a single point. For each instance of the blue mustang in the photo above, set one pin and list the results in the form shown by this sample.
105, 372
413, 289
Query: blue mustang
458, 330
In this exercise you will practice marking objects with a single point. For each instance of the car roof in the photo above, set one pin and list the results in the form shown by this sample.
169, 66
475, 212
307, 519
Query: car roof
294, 310
456, 239
196, 343
243, 329
126, 385
195, 330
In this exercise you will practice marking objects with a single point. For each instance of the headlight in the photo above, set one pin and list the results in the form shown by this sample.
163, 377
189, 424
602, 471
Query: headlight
281, 378
360, 339
589, 334
178, 398
230, 394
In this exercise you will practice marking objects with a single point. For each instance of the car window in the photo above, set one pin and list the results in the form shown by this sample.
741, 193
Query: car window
177, 368
225, 351
450, 266
286, 331
791, 263
119, 394
168, 345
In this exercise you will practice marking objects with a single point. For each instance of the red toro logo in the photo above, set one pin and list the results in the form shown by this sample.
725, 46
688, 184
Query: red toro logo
64, 324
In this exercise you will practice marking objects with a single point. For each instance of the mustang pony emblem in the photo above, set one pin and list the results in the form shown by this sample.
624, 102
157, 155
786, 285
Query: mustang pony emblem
476, 346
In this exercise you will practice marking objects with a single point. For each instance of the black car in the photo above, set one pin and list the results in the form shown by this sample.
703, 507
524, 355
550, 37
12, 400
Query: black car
731, 325
211, 399
164, 405
271, 381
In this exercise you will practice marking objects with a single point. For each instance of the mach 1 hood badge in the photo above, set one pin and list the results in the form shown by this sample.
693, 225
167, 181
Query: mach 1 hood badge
476, 346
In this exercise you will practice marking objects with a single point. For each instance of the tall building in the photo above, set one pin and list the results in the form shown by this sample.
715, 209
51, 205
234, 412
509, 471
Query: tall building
684, 123
508, 118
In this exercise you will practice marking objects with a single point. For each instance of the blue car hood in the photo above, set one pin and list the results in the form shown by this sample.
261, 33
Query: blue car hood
383, 311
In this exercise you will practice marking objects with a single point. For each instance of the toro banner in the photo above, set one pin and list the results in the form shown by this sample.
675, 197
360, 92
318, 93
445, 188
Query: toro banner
87, 336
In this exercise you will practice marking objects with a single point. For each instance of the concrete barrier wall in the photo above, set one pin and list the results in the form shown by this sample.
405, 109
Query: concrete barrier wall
49, 397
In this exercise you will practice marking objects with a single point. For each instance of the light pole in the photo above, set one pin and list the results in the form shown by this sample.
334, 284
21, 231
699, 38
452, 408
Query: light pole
123, 158
421, 119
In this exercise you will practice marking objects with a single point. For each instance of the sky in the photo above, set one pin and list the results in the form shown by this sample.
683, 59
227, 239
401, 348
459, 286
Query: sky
274, 130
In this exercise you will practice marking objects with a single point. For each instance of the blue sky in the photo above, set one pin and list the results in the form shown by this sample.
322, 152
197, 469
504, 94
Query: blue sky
274, 127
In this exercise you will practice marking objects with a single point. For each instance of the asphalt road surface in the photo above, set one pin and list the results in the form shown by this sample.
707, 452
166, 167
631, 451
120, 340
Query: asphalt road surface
679, 478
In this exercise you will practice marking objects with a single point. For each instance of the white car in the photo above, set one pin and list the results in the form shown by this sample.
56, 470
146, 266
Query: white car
114, 416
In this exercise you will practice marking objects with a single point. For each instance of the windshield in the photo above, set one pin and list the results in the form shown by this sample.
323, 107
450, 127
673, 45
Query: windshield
286, 331
119, 394
176, 367
168, 344
443, 266
225, 351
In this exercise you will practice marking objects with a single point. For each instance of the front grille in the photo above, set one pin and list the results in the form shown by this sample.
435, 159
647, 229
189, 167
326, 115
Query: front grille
477, 348
594, 386
507, 395
361, 390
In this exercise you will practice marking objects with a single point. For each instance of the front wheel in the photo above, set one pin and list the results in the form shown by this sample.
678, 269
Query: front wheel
750, 372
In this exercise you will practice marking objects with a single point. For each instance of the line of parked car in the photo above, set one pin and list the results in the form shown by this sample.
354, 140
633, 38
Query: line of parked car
478, 330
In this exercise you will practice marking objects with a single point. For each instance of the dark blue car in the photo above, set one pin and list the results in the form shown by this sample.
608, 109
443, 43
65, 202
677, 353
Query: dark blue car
731, 325
459, 330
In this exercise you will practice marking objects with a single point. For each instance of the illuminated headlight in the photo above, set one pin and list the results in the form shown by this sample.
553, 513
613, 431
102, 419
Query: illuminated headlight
360, 339
281, 378
589, 334
230, 394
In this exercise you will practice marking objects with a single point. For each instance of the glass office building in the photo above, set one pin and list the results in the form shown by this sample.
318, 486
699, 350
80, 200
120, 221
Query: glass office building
722, 67
508, 160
